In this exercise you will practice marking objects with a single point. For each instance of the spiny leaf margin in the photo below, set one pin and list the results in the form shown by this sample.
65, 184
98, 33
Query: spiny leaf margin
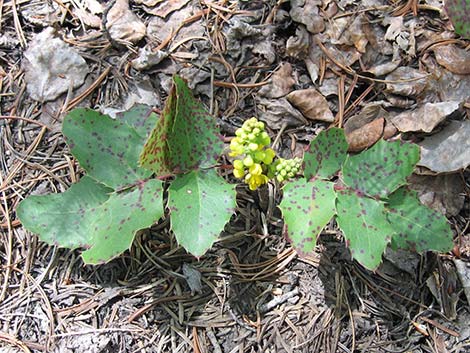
382, 169
326, 154
307, 207
63, 219
365, 227
201, 203
108, 149
185, 137
417, 227
116, 222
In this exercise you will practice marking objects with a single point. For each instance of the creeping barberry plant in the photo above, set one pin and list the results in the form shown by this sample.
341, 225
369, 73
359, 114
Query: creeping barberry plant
128, 159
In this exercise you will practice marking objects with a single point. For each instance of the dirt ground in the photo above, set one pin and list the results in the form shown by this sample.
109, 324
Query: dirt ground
300, 66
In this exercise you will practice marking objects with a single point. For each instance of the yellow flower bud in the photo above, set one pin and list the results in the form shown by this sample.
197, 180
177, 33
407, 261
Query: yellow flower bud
238, 173
256, 169
238, 164
269, 156
248, 161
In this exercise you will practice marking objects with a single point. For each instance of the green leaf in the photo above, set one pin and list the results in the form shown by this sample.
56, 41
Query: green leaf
201, 203
365, 227
307, 208
116, 222
383, 168
108, 149
141, 118
326, 154
417, 227
63, 219
89, 215
459, 14
185, 137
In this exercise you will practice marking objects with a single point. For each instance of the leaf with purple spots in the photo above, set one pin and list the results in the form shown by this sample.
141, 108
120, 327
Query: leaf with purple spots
185, 137
109, 149
62, 219
417, 227
326, 154
307, 208
116, 221
381, 169
141, 118
201, 203
365, 227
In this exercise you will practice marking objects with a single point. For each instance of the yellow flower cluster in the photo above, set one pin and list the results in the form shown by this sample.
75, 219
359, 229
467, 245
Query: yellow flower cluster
250, 143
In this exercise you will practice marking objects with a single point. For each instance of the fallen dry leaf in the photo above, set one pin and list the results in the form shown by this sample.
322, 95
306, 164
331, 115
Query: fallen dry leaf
448, 150
426, 117
343, 32
311, 104
281, 83
52, 67
164, 8
365, 136
445, 85
87, 18
307, 13
370, 112
297, 46
453, 58
389, 130
414, 81
243, 38
123, 25
279, 112
161, 28
395, 28
148, 58
443, 193
149, 3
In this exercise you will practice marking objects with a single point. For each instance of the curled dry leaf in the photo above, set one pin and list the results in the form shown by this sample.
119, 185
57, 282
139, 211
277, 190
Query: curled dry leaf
311, 104
281, 83
425, 118
123, 25
453, 58
448, 150
365, 136
52, 67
